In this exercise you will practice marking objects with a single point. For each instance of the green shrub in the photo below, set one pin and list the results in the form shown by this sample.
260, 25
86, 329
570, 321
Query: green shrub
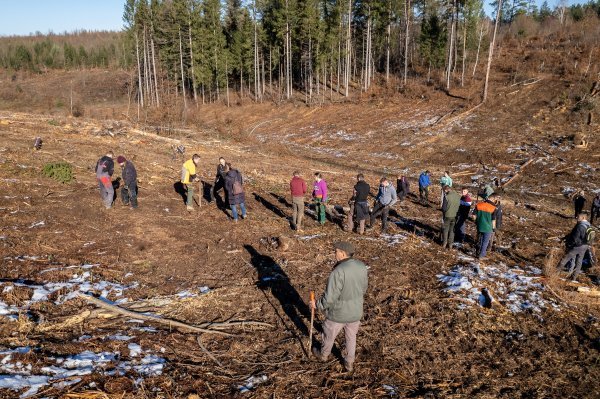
60, 171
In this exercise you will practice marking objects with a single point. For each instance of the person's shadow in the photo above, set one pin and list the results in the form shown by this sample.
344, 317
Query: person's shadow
271, 277
180, 189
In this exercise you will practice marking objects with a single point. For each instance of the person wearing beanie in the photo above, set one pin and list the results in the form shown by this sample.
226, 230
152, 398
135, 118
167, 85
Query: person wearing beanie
342, 302
105, 168
129, 175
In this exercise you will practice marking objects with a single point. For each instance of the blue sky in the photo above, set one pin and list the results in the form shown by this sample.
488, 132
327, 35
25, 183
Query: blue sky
22, 17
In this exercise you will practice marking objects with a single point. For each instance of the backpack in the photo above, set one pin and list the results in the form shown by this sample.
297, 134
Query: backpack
590, 235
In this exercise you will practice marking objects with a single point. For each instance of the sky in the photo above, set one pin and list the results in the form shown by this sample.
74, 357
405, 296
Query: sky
24, 17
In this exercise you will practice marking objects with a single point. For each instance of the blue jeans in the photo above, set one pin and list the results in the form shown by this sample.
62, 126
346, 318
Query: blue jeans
484, 241
234, 212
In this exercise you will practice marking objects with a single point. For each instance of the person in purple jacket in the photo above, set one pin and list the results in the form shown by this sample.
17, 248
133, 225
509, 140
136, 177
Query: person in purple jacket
319, 195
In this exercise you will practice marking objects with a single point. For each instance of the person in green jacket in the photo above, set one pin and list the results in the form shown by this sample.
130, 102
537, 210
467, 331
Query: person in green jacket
450, 206
342, 303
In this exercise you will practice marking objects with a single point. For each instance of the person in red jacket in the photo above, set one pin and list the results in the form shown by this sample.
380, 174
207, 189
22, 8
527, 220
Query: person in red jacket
298, 190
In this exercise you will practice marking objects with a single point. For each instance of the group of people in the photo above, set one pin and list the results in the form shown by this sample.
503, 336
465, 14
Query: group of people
105, 168
227, 178
343, 299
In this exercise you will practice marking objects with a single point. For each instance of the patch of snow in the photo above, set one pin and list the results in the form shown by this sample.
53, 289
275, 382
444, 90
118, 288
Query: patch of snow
512, 286
38, 224
306, 238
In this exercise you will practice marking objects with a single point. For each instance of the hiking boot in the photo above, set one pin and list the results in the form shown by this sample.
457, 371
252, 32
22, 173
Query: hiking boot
317, 353
348, 366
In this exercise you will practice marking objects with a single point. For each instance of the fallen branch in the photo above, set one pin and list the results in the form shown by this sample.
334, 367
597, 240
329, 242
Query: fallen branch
519, 172
146, 317
214, 359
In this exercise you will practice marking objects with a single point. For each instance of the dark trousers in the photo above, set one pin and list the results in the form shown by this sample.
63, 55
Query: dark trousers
219, 184
460, 228
378, 210
424, 195
129, 195
575, 255
483, 243
595, 214
448, 231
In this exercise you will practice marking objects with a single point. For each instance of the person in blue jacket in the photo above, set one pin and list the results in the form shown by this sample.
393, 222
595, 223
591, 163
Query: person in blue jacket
424, 183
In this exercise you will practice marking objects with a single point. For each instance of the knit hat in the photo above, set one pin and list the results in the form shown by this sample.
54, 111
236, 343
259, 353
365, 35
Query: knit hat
345, 246
121, 159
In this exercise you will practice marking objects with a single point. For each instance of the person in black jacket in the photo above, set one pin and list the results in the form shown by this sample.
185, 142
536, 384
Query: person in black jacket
359, 206
579, 202
402, 187
129, 175
234, 187
219, 179
577, 246
595, 208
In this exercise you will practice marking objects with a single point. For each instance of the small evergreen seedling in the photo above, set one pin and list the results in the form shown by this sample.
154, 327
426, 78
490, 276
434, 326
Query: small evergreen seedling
60, 171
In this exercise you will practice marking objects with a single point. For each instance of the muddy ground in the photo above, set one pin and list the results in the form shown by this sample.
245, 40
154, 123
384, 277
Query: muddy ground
419, 339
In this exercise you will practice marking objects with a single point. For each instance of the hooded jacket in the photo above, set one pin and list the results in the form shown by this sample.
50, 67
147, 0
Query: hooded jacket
387, 195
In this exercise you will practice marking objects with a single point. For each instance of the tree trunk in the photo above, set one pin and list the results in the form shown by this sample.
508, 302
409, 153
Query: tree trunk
491, 52
464, 54
348, 50
451, 48
182, 75
406, 40
478, 47
192, 63
140, 86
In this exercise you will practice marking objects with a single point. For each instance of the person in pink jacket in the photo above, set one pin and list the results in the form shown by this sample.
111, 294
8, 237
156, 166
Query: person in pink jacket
319, 195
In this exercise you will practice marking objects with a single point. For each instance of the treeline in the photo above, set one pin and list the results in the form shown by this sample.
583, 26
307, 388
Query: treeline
321, 49
66, 51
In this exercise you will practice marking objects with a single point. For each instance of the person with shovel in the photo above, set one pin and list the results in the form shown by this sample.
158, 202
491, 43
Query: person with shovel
189, 176
342, 303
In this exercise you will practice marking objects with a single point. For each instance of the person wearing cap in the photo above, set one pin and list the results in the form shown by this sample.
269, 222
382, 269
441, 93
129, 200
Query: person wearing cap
129, 176
188, 175
105, 167
342, 303
450, 206
485, 214
424, 183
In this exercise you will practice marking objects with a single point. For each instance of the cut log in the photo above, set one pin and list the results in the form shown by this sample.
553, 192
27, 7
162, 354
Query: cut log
519, 172
589, 292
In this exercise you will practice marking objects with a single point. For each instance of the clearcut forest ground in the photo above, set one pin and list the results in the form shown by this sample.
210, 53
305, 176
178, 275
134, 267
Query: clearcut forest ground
419, 338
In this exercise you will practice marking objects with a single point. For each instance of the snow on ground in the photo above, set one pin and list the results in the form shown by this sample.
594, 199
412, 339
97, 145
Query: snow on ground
78, 283
518, 289
18, 376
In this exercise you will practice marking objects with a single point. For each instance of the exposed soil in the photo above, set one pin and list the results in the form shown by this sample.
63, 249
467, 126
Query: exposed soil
417, 338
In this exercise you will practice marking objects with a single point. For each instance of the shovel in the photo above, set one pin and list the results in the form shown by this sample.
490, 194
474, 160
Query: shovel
312, 319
